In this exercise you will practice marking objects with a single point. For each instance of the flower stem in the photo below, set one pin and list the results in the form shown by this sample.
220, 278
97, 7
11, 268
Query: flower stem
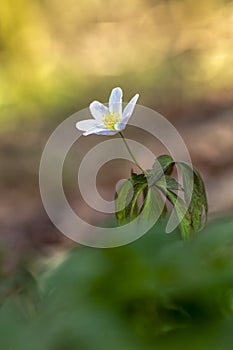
131, 154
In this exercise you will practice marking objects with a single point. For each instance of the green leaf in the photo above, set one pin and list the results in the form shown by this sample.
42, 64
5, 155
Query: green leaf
169, 182
121, 201
181, 212
195, 195
138, 178
153, 205
126, 200
202, 190
133, 208
163, 165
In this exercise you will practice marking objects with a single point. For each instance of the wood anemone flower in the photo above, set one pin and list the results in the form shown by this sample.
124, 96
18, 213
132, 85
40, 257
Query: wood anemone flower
108, 120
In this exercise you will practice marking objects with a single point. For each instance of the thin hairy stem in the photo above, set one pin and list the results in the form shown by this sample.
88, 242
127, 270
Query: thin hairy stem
131, 154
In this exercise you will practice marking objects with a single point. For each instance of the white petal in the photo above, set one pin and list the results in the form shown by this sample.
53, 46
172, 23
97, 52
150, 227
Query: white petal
115, 100
90, 131
107, 132
128, 111
119, 126
85, 125
100, 131
98, 110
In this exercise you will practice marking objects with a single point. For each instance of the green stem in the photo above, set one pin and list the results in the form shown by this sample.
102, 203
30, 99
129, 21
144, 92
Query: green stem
131, 154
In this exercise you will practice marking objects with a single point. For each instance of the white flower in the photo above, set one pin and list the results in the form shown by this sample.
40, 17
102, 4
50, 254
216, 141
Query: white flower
108, 121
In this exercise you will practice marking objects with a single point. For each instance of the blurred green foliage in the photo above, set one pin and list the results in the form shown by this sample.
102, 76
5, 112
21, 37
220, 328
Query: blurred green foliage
158, 292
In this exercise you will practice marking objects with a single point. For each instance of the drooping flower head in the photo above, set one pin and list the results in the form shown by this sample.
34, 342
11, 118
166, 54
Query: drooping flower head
108, 120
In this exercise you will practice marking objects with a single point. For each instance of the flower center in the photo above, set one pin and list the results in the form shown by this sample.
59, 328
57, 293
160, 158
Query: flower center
110, 119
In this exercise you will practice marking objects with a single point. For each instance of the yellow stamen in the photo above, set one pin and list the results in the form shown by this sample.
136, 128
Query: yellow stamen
110, 119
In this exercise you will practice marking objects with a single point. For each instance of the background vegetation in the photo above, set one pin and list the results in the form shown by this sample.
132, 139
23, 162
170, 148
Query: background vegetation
56, 55
158, 292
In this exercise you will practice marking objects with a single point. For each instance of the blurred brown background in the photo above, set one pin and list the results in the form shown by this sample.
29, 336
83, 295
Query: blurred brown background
58, 56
